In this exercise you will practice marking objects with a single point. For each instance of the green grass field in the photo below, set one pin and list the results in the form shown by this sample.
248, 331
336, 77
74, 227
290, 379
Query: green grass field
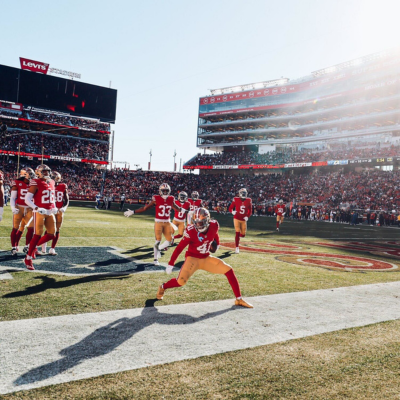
306, 368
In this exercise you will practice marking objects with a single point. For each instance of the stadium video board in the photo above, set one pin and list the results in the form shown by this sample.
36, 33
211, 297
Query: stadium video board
57, 94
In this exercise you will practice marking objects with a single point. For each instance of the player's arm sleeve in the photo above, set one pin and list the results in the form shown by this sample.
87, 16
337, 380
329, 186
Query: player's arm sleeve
250, 209
216, 238
178, 250
13, 198
1, 194
146, 207
66, 199
176, 208
29, 200
230, 209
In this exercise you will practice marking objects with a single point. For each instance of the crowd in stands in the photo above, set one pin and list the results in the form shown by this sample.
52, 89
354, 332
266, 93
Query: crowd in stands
67, 120
55, 145
82, 179
326, 190
278, 157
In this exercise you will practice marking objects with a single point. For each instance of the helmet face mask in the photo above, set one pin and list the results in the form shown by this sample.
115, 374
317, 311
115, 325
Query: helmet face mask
195, 195
164, 190
182, 197
201, 219
57, 176
43, 172
27, 173
243, 193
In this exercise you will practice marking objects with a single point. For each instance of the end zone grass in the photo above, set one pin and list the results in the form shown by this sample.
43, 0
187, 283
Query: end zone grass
33, 295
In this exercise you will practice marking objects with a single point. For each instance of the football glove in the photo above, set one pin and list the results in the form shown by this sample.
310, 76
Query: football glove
62, 210
128, 213
246, 218
1, 213
169, 269
42, 211
15, 210
53, 211
233, 212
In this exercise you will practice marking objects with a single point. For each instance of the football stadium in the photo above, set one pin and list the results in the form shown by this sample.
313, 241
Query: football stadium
295, 192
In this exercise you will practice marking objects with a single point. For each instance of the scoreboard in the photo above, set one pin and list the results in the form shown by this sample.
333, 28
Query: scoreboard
57, 94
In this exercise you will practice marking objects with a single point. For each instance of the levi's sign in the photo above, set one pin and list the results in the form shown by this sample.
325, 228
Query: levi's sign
35, 66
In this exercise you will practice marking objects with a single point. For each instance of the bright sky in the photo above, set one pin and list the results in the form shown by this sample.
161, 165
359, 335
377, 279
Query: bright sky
162, 55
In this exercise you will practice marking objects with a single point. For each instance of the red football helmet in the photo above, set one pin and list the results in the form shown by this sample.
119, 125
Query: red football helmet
201, 219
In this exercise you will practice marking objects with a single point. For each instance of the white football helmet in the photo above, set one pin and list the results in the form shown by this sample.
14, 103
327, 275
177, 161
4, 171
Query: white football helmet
195, 195
182, 197
43, 172
243, 193
280, 201
164, 190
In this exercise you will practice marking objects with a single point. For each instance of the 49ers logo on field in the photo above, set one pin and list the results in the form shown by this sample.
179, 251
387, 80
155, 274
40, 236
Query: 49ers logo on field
291, 254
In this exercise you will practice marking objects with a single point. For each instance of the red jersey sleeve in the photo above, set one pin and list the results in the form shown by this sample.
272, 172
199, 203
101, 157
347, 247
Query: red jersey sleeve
178, 250
230, 209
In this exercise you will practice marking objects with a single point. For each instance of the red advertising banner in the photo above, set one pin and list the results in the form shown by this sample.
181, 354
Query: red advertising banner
34, 66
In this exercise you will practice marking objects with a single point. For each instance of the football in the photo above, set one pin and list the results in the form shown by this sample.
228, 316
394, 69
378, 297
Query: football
213, 247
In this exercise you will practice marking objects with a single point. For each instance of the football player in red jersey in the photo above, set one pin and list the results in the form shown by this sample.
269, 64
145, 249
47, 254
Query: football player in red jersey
179, 217
40, 198
195, 203
62, 203
243, 208
199, 237
162, 226
22, 214
280, 213
1, 195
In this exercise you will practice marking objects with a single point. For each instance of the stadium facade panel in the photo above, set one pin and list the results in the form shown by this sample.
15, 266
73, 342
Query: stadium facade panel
354, 102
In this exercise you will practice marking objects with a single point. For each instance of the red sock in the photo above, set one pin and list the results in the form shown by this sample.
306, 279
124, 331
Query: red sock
55, 240
177, 236
234, 283
242, 235
237, 239
13, 237
29, 236
45, 238
32, 244
277, 224
171, 284
17, 237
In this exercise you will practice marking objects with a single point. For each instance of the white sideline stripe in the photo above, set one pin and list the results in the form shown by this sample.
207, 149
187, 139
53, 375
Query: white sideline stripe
4, 274
47, 351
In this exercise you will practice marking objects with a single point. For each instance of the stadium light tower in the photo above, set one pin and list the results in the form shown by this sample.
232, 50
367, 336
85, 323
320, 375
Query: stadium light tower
150, 159
174, 161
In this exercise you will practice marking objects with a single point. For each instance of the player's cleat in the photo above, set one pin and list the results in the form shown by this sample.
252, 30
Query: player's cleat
29, 264
243, 303
169, 269
156, 262
14, 251
52, 252
277, 229
25, 249
160, 292
237, 250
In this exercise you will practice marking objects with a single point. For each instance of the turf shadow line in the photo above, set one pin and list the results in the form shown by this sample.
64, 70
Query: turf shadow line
51, 283
107, 338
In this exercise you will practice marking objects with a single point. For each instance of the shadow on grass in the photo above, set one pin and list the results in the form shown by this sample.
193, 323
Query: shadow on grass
107, 338
51, 283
